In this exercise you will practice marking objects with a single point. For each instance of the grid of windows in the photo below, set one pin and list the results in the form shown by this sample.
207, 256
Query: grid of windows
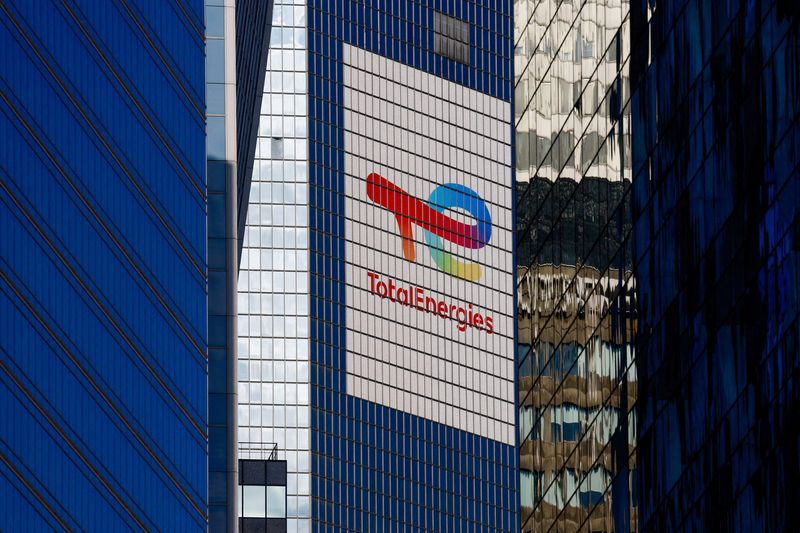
571, 85
103, 310
273, 279
717, 253
221, 248
451, 37
575, 291
379, 468
253, 24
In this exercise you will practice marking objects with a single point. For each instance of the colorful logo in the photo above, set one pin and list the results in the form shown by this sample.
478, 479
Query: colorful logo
437, 226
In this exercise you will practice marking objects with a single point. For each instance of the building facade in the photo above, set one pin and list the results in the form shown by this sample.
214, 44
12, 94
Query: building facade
237, 39
223, 248
716, 249
376, 293
273, 365
103, 362
576, 300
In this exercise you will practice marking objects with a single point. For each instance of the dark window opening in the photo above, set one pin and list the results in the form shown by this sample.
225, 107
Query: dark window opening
451, 37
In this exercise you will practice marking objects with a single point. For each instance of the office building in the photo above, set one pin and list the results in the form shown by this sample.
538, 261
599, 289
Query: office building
576, 301
103, 362
376, 314
104, 261
237, 39
716, 248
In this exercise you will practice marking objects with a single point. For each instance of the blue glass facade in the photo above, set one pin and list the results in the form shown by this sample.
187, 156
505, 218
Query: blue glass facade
716, 246
102, 266
375, 468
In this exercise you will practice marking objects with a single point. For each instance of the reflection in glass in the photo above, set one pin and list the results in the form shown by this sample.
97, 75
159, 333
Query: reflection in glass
276, 502
254, 504
575, 289
275, 268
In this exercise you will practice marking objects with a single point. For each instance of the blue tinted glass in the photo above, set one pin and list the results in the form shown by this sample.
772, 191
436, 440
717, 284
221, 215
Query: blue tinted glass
215, 127
215, 61
215, 98
215, 21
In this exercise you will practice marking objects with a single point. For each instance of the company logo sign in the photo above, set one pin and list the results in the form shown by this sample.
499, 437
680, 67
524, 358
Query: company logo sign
419, 299
430, 216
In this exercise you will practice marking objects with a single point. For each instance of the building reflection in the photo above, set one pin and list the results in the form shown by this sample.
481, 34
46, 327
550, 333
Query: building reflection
577, 390
575, 288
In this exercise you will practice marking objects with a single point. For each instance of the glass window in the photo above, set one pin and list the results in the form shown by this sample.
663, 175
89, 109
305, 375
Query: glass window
215, 61
215, 21
276, 502
215, 98
276, 150
254, 501
216, 137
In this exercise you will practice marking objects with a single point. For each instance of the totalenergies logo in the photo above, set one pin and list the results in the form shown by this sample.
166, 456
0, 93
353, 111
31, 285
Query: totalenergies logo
437, 226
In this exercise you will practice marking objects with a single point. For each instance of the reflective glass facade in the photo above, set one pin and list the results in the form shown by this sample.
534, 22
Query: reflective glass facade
253, 29
103, 367
576, 303
273, 370
716, 117
394, 400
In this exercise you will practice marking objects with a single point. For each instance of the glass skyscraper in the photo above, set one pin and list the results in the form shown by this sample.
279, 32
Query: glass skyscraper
657, 251
273, 368
400, 266
576, 300
119, 260
376, 292
237, 37
103, 361
716, 122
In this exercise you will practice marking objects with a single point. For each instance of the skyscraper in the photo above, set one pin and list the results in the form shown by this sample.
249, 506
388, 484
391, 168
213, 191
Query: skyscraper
376, 292
237, 37
716, 121
576, 302
102, 266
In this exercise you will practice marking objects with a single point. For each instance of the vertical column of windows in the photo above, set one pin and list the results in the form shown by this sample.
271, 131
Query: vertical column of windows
576, 367
273, 281
220, 248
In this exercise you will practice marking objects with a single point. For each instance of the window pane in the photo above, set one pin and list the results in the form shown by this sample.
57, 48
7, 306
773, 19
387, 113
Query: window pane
215, 61
253, 501
215, 21
276, 502
215, 98
216, 137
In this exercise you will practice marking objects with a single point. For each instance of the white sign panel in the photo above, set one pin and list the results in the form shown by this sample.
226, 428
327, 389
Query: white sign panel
429, 233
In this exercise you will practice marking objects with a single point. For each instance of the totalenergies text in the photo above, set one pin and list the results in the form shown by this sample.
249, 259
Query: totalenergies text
417, 298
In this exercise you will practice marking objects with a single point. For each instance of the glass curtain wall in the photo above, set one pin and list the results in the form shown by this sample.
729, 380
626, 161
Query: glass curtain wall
575, 290
273, 301
716, 112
